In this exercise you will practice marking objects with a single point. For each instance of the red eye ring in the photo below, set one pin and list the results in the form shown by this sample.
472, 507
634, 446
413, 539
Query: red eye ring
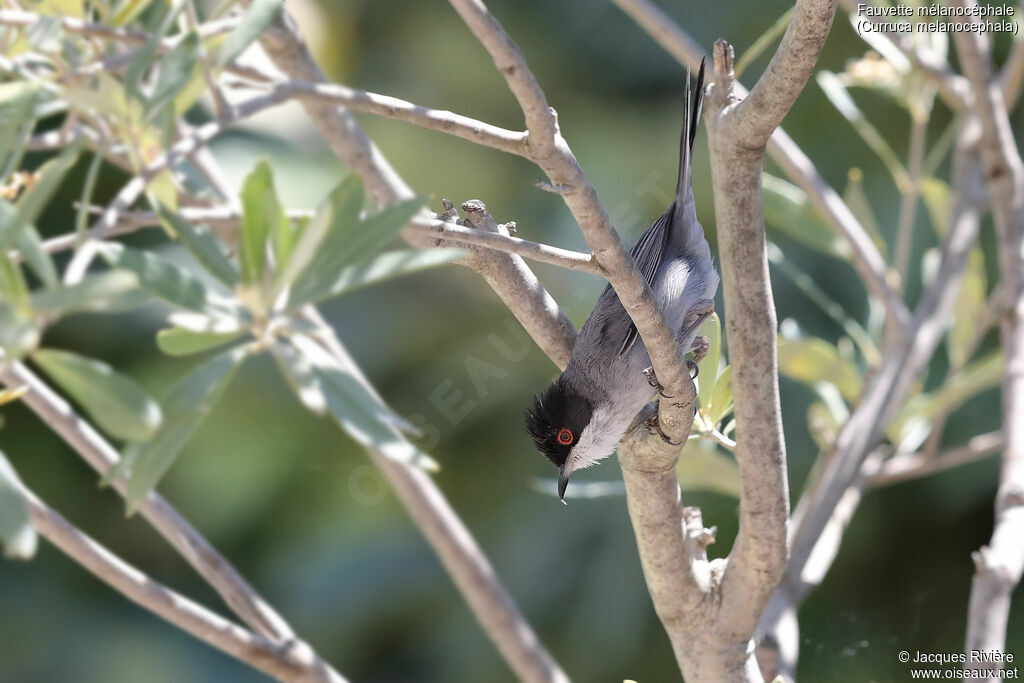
565, 436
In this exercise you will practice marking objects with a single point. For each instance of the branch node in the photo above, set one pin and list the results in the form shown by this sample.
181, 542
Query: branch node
548, 187
724, 57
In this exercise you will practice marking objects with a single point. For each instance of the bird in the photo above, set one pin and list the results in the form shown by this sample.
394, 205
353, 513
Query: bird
579, 419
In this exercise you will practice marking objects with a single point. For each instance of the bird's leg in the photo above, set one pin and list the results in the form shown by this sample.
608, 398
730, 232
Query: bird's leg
652, 379
654, 427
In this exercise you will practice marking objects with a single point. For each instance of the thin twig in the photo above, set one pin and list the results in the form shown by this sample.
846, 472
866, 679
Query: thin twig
901, 468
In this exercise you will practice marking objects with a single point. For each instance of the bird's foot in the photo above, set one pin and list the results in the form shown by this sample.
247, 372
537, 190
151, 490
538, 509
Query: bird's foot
700, 347
652, 379
654, 427
692, 367
700, 312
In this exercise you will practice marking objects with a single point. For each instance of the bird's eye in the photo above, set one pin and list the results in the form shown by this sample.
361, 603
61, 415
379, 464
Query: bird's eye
565, 436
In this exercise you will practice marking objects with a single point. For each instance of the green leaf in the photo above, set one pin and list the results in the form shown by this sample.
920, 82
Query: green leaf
95, 292
12, 281
832, 308
257, 18
788, 210
261, 217
970, 304
703, 467
115, 402
341, 208
764, 41
176, 341
145, 54
981, 375
388, 265
16, 226
837, 94
721, 396
347, 245
160, 277
16, 533
324, 382
184, 409
860, 206
15, 233
129, 10
175, 73
938, 201
201, 242
708, 367
812, 360
18, 332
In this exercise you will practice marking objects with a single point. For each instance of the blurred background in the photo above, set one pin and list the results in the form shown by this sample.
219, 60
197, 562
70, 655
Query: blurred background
297, 506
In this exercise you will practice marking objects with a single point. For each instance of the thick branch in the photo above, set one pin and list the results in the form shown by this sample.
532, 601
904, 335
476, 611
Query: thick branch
759, 555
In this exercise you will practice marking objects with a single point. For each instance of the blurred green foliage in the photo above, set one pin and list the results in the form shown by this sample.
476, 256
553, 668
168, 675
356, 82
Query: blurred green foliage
296, 505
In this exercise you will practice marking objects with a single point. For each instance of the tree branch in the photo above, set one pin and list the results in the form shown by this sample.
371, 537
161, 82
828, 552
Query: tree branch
536, 310
290, 661
757, 116
902, 468
1000, 565
552, 154
760, 551
795, 164
510, 141
101, 456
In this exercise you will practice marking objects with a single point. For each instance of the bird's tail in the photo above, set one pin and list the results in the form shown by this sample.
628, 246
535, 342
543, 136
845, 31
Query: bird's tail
691, 118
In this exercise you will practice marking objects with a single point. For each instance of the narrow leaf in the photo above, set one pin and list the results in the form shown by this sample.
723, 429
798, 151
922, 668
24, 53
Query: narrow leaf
203, 244
160, 277
176, 341
354, 405
712, 329
388, 265
812, 360
176, 70
184, 409
95, 292
115, 402
348, 245
257, 18
16, 532
970, 304
788, 210
18, 332
341, 207
260, 211
702, 467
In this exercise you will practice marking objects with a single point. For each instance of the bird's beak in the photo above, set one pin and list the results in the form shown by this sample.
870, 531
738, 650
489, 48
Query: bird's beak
563, 481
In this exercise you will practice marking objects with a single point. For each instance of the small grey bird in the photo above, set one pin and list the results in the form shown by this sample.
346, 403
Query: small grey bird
581, 417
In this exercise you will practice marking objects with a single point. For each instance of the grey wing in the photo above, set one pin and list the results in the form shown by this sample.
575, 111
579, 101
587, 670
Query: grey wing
648, 253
